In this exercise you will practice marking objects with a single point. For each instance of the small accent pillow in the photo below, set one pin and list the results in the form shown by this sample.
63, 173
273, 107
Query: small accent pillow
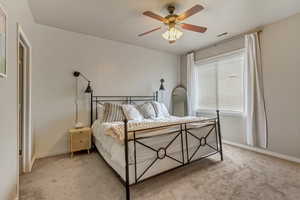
100, 112
132, 113
113, 113
157, 108
160, 109
164, 110
147, 110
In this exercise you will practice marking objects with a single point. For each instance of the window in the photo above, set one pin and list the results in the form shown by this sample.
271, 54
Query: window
220, 83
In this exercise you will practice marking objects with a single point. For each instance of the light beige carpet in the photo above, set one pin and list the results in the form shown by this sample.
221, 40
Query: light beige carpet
243, 175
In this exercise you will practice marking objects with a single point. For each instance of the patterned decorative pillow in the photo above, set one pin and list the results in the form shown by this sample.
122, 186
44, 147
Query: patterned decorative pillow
147, 110
113, 113
131, 112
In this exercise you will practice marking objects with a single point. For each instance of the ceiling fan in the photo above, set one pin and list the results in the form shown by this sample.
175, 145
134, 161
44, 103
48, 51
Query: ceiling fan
173, 21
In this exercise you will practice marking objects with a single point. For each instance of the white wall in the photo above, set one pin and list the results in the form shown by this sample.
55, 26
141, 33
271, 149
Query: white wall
18, 11
281, 69
114, 68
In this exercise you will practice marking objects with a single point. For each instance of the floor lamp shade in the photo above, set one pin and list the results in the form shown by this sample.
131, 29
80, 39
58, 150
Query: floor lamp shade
162, 87
88, 88
161, 90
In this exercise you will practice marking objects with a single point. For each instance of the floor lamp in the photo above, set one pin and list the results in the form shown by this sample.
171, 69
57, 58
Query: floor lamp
87, 90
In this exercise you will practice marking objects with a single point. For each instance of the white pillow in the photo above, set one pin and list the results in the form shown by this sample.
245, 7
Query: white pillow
164, 110
160, 109
147, 110
132, 113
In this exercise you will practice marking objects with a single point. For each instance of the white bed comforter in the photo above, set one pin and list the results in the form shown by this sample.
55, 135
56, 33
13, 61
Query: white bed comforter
116, 129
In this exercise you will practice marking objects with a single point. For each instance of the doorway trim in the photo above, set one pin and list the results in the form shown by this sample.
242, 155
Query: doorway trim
27, 142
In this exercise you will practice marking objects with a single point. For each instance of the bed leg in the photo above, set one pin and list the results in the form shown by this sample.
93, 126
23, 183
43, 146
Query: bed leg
127, 186
127, 192
219, 134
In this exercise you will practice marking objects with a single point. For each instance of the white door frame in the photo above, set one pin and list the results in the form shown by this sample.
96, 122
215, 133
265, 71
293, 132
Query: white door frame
27, 142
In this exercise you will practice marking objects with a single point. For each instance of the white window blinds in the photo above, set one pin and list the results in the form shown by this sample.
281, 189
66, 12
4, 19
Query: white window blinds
220, 83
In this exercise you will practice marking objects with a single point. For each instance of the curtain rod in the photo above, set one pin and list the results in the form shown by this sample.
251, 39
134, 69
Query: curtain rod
256, 30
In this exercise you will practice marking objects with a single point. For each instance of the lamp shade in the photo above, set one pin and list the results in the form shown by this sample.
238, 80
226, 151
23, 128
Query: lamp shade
162, 87
172, 34
88, 88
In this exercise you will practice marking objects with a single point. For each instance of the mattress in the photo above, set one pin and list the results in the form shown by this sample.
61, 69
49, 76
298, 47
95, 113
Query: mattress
114, 152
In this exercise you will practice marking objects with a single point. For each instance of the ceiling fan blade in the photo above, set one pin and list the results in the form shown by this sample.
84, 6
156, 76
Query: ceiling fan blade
155, 16
190, 27
142, 34
190, 12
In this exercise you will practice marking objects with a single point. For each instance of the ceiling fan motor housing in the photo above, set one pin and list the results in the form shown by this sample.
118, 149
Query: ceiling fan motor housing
171, 9
171, 18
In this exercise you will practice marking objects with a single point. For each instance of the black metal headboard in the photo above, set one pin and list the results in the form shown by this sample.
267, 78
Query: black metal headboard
124, 99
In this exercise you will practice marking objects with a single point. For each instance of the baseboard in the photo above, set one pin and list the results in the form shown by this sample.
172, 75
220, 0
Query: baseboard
32, 162
46, 155
264, 151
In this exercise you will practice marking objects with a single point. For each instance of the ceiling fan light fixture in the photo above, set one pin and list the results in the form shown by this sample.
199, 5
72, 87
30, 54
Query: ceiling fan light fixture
172, 34
173, 23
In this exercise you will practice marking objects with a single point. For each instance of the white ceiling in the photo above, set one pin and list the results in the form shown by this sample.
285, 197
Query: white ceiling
122, 20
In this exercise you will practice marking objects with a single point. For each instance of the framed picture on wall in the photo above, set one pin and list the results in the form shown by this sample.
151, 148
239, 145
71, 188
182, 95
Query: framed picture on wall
3, 37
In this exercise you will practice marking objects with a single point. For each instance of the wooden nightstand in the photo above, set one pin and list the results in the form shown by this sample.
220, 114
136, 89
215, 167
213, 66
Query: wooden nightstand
80, 139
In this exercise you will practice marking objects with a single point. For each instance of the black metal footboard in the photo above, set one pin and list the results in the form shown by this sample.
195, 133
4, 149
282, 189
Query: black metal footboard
194, 145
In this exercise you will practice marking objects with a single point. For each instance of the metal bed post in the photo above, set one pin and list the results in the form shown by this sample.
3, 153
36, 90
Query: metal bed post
96, 108
182, 148
134, 146
91, 108
219, 133
127, 186
186, 144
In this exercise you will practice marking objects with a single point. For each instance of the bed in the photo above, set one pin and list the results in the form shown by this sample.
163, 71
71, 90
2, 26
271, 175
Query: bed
139, 150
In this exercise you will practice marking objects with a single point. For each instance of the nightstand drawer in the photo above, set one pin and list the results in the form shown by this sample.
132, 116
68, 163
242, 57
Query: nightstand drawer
81, 144
80, 135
